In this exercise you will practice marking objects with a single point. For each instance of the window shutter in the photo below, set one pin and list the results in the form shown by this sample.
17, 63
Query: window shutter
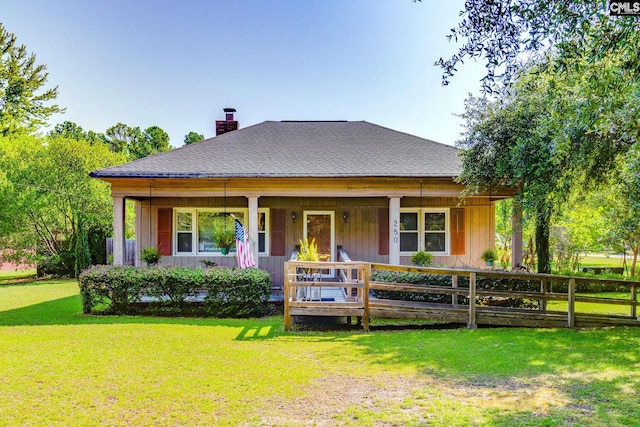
164, 231
277, 220
457, 231
383, 231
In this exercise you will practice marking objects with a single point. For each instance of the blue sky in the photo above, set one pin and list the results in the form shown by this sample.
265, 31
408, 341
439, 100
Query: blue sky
177, 64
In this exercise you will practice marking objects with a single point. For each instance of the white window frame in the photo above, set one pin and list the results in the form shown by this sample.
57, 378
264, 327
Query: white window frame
194, 232
174, 231
266, 232
422, 231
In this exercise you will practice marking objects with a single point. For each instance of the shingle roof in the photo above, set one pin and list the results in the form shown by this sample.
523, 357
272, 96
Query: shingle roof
300, 149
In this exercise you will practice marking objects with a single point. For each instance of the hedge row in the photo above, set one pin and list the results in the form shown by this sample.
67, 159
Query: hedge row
219, 291
485, 283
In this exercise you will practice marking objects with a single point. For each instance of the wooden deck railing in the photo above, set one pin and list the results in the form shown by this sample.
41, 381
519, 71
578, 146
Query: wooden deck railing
303, 290
354, 279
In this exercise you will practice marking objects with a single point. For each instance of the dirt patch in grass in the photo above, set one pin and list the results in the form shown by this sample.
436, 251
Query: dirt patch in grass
342, 400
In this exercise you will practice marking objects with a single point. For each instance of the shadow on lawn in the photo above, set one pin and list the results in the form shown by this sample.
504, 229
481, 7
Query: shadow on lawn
585, 377
67, 311
474, 356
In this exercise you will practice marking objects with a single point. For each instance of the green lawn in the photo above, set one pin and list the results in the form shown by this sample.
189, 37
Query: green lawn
603, 260
59, 367
596, 308
10, 275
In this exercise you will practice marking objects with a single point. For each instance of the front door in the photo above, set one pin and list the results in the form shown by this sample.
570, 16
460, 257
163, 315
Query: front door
320, 225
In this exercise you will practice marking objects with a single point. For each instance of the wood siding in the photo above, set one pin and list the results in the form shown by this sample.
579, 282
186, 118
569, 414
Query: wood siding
359, 235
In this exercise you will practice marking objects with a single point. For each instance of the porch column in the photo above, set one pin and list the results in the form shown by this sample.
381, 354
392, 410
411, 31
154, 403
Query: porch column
516, 236
253, 226
141, 240
118, 230
394, 230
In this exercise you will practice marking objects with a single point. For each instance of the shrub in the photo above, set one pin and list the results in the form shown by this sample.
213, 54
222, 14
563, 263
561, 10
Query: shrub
412, 278
422, 258
591, 288
308, 250
150, 255
489, 255
487, 283
231, 292
109, 289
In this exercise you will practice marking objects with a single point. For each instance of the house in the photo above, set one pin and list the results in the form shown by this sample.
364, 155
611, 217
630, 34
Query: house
379, 194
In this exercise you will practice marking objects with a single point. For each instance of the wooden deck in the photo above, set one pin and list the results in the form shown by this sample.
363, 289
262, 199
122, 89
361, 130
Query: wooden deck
348, 294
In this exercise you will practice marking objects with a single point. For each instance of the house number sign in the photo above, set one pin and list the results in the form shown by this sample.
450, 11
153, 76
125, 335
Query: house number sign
396, 231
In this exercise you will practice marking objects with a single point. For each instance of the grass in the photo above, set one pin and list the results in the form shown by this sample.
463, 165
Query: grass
602, 260
595, 308
7, 276
60, 367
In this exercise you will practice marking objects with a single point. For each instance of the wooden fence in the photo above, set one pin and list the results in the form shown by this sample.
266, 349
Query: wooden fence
305, 281
129, 250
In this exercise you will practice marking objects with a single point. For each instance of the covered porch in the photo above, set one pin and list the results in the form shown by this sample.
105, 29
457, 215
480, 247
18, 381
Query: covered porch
375, 220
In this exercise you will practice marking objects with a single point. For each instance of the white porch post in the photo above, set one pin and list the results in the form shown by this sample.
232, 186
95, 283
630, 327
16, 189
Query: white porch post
118, 231
516, 236
394, 230
140, 234
253, 226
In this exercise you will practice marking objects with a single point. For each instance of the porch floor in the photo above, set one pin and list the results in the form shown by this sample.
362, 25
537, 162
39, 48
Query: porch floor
326, 294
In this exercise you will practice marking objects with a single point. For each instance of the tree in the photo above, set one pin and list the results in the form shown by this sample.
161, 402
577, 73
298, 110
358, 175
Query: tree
583, 82
624, 203
136, 144
69, 130
504, 147
192, 138
49, 200
504, 34
23, 98
121, 137
580, 227
156, 141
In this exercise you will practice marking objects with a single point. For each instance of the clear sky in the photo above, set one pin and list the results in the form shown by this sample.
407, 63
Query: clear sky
177, 64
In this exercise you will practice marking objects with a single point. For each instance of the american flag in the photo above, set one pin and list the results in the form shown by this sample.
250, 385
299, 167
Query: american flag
243, 248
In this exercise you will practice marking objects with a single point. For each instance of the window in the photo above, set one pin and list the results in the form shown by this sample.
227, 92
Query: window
263, 237
424, 229
435, 233
206, 231
408, 231
217, 230
184, 230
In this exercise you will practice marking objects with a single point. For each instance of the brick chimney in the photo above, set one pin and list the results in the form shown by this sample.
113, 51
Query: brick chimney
228, 124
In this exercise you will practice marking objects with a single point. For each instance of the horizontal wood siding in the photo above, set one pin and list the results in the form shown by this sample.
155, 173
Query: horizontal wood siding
479, 235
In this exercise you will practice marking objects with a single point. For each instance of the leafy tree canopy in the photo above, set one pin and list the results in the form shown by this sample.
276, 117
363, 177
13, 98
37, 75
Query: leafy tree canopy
47, 192
135, 143
503, 34
74, 131
24, 102
192, 138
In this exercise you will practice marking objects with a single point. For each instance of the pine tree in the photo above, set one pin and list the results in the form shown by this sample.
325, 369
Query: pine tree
23, 98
